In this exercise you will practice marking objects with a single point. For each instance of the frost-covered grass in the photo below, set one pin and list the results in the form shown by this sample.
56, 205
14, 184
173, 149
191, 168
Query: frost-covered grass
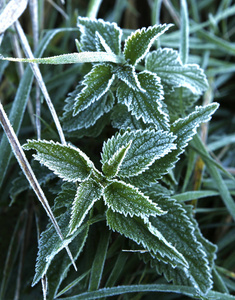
131, 153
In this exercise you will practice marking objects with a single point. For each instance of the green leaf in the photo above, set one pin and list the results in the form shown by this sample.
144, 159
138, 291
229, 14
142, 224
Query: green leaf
146, 105
179, 101
60, 265
49, 245
66, 161
122, 119
87, 117
99, 260
21, 184
127, 74
128, 200
139, 42
96, 83
111, 166
178, 227
167, 65
89, 191
147, 236
146, 147
94, 130
184, 129
110, 33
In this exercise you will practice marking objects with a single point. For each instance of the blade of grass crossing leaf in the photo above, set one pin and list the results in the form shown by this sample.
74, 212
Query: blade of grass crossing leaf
37, 74
98, 263
29, 174
184, 45
70, 58
215, 174
167, 288
72, 284
18, 107
93, 8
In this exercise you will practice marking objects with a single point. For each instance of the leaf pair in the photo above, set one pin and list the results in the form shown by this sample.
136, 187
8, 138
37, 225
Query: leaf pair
124, 155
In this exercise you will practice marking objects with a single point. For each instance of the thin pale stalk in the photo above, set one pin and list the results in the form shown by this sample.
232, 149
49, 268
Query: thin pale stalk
184, 32
155, 14
37, 74
172, 11
155, 17
27, 170
33, 5
93, 8
59, 9
44, 287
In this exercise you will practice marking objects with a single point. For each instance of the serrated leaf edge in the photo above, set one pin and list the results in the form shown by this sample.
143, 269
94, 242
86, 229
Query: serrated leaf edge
96, 97
44, 162
140, 31
72, 230
143, 216
104, 23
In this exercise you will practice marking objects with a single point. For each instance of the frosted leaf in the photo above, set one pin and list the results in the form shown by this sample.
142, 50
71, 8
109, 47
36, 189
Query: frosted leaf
178, 227
146, 147
122, 119
96, 83
147, 236
109, 32
167, 65
139, 42
184, 129
128, 75
66, 161
146, 105
111, 167
89, 191
89, 116
128, 200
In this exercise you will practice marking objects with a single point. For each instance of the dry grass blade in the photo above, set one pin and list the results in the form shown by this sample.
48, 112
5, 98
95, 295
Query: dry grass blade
26, 168
37, 73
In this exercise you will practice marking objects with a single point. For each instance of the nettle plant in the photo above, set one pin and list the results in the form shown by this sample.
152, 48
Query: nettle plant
148, 97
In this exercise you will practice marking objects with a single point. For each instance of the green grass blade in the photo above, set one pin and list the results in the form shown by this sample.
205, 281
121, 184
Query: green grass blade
72, 284
215, 174
93, 8
18, 107
167, 288
184, 45
188, 196
117, 269
98, 263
